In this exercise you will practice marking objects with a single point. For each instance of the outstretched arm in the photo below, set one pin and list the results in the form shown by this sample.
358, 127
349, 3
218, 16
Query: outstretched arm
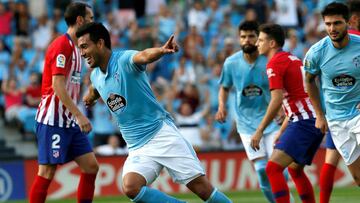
271, 112
152, 54
313, 92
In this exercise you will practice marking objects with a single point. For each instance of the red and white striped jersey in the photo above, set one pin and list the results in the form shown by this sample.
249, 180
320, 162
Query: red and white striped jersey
62, 58
285, 72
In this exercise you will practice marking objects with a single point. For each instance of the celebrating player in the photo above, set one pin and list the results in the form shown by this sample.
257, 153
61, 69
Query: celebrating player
299, 138
150, 133
61, 126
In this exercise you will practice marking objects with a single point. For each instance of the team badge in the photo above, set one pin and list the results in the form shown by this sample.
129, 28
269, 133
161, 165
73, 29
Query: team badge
56, 153
60, 61
116, 102
356, 61
307, 63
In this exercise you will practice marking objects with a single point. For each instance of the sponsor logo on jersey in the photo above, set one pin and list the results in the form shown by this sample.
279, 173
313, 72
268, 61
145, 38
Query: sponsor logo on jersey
270, 72
60, 61
75, 78
343, 81
116, 102
252, 90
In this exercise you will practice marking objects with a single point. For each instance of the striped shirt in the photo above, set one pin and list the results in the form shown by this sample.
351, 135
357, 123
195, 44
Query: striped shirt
285, 72
62, 58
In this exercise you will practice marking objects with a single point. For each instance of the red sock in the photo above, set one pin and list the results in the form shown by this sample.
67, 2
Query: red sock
278, 183
38, 190
303, 185
326, 182
86, 188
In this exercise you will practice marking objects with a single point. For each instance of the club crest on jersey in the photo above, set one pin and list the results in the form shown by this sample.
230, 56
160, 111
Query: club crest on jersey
60, 61
252, 90
116, 102
356, 61
56, 153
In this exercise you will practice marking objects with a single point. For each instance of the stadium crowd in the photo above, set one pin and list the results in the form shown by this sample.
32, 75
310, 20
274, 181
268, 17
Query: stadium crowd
186, 83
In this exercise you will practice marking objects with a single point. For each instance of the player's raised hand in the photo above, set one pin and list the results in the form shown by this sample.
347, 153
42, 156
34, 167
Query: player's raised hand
220, 115
171, 46
84, 123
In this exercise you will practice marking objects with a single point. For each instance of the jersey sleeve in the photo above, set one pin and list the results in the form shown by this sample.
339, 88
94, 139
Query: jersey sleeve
275, 72
310, 62
225, 78
60, 58
127, 58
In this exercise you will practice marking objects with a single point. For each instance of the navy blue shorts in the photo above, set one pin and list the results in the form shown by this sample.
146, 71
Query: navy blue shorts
300, 141
329, 143
60, 145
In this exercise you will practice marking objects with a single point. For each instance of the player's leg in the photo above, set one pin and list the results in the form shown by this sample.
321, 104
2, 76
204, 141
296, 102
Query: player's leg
49, 155
354, 169
302, 183
327, 173
259, 159
278, 161
81, 152
38, 190
89, 168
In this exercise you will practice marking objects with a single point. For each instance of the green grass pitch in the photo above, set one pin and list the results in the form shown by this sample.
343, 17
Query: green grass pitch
342, 195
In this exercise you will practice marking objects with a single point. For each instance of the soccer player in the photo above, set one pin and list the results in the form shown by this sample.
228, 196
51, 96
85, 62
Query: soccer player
150, 133
61, 126
299, 138
332, 155
246, 71
336, 59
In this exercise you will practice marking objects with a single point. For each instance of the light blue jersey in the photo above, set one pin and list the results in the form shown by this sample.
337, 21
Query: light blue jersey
252, 91
126, 91
339, 70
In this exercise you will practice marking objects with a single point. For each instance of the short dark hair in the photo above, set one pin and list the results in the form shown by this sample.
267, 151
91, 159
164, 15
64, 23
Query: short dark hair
354, 6
249, 26
336, 8
96, 31
73, 10
275, 32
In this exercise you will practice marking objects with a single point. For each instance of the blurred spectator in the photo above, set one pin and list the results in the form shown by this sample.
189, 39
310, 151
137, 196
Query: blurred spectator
294, 45
184, 74
198, 17
5, 20
23, 20
13, 97
103, 124
193, 42
165, 24
286, 13
260, 8
210, 133
111, 148
42, 34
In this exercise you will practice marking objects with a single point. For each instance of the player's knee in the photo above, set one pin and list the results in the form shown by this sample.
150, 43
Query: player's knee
131, 189
47, 172
357, 179
91, 167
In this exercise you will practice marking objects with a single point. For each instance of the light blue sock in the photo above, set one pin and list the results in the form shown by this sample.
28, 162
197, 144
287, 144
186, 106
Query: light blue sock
263, 179
149, 195
218, 197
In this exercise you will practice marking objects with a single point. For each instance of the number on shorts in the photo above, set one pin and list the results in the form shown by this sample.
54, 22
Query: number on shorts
55, 141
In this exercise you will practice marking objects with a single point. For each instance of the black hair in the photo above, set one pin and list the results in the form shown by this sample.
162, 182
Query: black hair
275, 32
96, 31
73, 10
336, 8
249, 26
354, 6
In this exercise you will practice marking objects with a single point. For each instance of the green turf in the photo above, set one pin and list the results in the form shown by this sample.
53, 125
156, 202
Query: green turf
342, 195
